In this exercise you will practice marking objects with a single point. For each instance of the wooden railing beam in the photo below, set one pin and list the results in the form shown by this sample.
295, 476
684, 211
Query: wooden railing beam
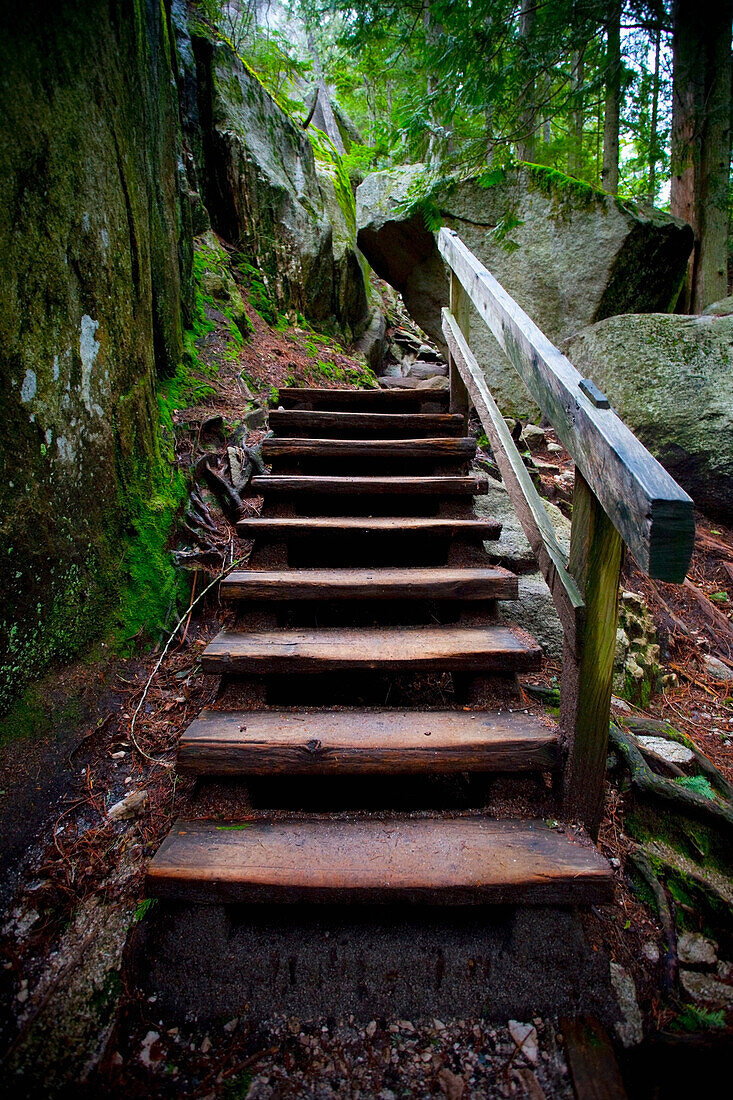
460, 308
526, 500
653, 515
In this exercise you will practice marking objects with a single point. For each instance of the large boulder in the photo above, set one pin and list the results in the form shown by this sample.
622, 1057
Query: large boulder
96, 249
263, 193
670, 378
568, 254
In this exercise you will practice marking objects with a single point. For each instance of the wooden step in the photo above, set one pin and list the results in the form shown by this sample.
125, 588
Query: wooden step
363, 425
471, 485
443, 861
440, 449
442, 583
374, 400
359, 742
446, 648
285, 527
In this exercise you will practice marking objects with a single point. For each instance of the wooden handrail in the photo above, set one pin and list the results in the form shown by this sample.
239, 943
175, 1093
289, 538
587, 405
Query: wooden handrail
527, 501
653, 515
621, 494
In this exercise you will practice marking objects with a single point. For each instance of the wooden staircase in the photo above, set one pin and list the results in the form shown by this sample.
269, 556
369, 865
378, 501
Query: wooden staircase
369, 563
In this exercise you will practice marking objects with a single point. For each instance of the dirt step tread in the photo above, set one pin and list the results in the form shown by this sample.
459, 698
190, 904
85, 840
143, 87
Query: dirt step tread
443, 582
292, 526
450, 648
470, 485
365, 741
355, 425
458, 860
433, 447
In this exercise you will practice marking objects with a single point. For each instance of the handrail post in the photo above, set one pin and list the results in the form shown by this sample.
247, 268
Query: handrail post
459, 307
596, 552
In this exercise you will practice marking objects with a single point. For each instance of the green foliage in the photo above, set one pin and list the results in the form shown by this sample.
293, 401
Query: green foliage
698, 784
330, 161
259, 295
693, 1018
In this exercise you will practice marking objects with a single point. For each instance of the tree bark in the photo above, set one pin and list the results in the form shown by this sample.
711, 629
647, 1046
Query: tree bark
701, 108
578, 73
654, 121
525, 146
609, 174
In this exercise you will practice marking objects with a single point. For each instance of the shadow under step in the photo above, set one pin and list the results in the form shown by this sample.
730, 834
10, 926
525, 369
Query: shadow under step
363, 425
437, 449
435, 861
471, 485
363, 742
441, 583
366, 400
285, 527
444, 648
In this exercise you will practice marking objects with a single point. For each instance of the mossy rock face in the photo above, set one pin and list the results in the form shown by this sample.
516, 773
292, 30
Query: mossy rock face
669, 377
567, 253
96, 258
263, 194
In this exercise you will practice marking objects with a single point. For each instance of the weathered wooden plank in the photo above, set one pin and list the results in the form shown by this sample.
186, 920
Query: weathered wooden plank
439, 449
359, 742
442, 583
651, 512
444, 861
428, 526
527, 502
595, 560
460, 648
471, 485
323, 399
364, 425
593, 1066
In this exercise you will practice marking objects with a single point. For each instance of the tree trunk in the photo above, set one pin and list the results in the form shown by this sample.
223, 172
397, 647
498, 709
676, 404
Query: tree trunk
609, 174
525, 146
654, 122
701, 108
575, 160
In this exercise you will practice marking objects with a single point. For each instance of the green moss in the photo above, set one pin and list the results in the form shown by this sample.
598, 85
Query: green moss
556, 185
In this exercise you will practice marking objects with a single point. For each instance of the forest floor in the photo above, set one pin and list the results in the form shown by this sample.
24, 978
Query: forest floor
74, 873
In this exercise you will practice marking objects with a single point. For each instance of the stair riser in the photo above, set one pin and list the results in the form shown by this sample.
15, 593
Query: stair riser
283, 663
253, 589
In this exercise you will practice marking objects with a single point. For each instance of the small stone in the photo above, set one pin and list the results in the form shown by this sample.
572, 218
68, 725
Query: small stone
706, 989
630, 1029
452, 1085
131, 806
438, 383
371, 1029
694, 949
715, 668
534, 437
231, 1025
438, 1025
23, 993
255, 418
650, 951
525, 1037
671, 751
554, 449
205, 1045
405, 1025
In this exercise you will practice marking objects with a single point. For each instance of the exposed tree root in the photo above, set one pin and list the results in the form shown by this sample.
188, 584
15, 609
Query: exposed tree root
640, 860
664, 790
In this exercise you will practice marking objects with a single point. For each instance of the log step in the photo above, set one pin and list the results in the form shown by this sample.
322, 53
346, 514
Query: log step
375, 400
443, 861
438, 449
363, 425
471, 485
285, 527
445, 648
443, 583
361, 742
